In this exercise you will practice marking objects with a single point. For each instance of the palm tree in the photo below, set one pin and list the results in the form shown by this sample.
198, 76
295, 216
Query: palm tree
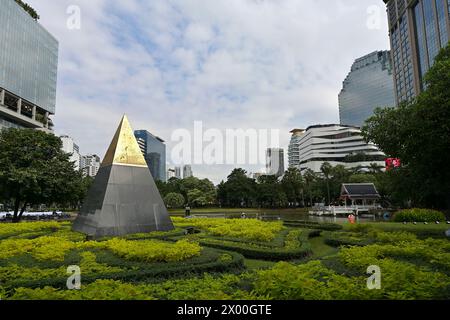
326, 169
310, 178
375, 168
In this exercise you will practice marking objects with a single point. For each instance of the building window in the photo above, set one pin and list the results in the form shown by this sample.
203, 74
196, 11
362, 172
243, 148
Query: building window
443, 33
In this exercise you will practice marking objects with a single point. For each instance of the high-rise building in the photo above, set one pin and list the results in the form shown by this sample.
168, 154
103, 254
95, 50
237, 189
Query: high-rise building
90, 164
69, 146
294, 147
333, 143
418, 30
275, 162
187, 172
369, 85
154, 151
178, 172
28, 70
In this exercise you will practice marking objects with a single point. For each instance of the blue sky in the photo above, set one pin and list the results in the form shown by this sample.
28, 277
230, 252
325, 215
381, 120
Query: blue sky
272, 64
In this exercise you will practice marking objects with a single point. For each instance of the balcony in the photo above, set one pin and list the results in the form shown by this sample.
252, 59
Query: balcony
23, 112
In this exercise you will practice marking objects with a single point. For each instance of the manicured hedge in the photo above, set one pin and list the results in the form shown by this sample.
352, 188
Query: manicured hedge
419, 215
313, 225
251, 251
211, 260
337, 239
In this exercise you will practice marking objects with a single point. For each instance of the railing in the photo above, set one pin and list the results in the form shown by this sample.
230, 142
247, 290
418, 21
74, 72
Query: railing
335, 210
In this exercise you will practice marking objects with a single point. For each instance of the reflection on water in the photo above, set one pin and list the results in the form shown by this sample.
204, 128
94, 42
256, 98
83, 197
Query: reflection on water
269, 216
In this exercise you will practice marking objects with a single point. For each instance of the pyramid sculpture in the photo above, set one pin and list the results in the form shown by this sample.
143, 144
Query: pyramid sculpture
124, 198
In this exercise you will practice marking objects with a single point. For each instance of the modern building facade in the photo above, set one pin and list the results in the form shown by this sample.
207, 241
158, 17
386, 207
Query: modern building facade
178, 172
369, 85
69, 146
154, 151
333, 143
275, 162
90, 164
28, 70
418, 30
187, 172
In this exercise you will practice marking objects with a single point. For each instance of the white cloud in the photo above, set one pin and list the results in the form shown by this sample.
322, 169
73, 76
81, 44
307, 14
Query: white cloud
230, 63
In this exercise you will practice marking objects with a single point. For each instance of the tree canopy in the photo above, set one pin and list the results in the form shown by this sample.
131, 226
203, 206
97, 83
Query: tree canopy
34, 170
418, 133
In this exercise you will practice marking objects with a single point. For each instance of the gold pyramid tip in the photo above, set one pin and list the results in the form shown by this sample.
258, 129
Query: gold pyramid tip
124, 149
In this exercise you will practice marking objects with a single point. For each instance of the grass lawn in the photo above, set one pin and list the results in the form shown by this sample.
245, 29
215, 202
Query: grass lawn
320, 249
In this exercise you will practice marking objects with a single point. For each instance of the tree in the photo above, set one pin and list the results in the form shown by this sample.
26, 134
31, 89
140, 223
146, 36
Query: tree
34, 170
362, 178
310, 179
326, 169
418, 133
238, 190
374, 168
293, 186
174, 200
269, 192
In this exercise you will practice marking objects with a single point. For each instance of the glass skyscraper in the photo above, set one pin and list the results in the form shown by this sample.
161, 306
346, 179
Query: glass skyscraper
154, 151
369, 85
418, 30
28, 69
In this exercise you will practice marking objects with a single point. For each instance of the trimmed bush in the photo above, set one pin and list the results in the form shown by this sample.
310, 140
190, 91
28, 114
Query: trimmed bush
248, 229
313, 225
296, 246
419, 215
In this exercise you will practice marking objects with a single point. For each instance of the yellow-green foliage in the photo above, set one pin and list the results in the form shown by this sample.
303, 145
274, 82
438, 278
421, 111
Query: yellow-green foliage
292, 240
99, 290
43, 248
151, 250
9, 229
249, 229
402, 279
88, 265
310, 281
55, 249
205, 288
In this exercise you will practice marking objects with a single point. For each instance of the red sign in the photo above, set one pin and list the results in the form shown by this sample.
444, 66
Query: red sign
392, 163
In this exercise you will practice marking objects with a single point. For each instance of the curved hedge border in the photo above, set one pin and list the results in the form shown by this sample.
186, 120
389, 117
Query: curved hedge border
338, 239
263, 253
210, 261
313, 225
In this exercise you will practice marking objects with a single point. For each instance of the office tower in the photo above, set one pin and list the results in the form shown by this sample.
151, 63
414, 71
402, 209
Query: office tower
154, 151
69, 146
418, 30
275, 162
333, 143
294, 148
187, 172
178, 172
28, 69
90, 164
369, 85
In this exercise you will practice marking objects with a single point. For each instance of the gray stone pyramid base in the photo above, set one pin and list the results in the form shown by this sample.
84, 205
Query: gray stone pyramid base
122, 200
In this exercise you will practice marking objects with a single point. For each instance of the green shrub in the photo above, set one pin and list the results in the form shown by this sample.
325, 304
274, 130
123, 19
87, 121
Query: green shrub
419, 215
249, 229
296, 246
313, 225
